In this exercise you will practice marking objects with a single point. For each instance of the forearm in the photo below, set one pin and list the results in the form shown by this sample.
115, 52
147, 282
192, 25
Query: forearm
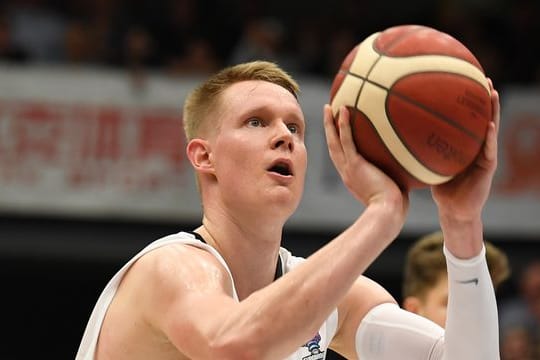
462, 237
388, 332
306, 296
472, 321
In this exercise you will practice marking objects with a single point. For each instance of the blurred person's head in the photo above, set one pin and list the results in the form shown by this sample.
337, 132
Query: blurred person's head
79, 43
5, 36
530, 287
199, 59
262, 39
425, 285
8, 50
517, 344
138, 47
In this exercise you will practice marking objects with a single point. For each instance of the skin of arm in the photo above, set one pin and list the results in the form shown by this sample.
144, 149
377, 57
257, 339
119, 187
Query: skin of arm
217, 326
460, 203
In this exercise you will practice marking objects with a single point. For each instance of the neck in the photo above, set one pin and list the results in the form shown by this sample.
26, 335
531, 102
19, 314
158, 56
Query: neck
251, 252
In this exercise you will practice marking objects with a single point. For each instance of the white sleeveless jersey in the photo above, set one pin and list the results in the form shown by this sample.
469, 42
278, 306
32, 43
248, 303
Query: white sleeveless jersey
314, 349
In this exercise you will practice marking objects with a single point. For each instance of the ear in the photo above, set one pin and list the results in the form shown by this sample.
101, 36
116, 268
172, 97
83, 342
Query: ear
412, 304
199, 154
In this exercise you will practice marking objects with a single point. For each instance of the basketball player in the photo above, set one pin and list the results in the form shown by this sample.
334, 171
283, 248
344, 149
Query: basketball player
228, 291
425, 284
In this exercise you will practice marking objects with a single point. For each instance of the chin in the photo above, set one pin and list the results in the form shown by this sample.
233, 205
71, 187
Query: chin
285, 204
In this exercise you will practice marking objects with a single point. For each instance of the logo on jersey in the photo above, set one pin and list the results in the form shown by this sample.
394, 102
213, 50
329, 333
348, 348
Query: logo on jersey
314, 348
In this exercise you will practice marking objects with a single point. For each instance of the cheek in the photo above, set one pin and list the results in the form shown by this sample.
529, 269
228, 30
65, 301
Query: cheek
234, 157
435, 313
302, 159
441, 319
439, 312
232, 168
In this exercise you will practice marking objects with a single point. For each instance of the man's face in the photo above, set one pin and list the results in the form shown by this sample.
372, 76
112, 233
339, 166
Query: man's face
258, 150
433, 305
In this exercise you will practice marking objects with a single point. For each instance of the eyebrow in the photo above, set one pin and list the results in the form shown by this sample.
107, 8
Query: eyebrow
297, 116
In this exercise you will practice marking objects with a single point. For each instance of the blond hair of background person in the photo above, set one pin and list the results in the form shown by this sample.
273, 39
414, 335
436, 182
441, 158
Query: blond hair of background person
425, 282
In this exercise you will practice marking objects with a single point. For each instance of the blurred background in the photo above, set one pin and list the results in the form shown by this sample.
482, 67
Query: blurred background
92, 165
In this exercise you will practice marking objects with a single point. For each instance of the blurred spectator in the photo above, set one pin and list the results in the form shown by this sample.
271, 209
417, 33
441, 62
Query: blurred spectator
88, 30
519, 43
8, 50
80, 44
475, 27
518, 344
198, 36
199, 58
262, 39
180, 25
520, 316
134, 33
38, 29
139, 49
309, 36
425, 283
139, 54
184, 47
341, 43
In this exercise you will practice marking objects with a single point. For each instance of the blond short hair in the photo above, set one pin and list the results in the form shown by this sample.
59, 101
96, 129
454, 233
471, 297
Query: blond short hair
202, 100
425, 263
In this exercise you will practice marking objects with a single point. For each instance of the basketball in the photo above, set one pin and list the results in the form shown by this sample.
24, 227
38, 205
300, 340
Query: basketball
419, 102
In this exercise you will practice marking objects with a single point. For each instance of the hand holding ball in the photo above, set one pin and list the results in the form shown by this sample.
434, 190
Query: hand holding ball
419, 103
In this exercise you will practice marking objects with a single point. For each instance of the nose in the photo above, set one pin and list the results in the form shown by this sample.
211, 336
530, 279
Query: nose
283, 138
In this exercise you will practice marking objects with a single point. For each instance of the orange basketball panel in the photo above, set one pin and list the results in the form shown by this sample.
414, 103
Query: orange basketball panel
440, 147
369, 144
457, 100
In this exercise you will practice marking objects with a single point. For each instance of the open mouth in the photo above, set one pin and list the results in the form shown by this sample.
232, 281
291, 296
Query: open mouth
281, 168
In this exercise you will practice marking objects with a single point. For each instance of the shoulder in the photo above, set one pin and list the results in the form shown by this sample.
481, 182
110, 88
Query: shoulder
170, 278
171, 274
179, 267
161, 283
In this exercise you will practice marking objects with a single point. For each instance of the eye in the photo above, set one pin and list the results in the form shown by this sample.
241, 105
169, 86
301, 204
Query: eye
293, 128
254, 122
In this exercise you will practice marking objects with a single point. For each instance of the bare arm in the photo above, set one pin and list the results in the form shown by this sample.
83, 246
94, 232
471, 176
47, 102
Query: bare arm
462, 200
472, 308
471, 329
195, 309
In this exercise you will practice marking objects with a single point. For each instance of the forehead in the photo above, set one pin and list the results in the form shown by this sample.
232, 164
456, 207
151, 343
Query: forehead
245, 96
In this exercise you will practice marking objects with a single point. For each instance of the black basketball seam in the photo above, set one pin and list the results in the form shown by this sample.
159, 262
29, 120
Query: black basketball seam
407, 146
437, 115
396, 40
388, 150
392, 44
398, 134
381, 54
440, 116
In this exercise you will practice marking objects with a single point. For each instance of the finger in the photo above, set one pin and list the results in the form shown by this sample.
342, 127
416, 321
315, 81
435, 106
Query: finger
495, 103
496, 108
490, 147
345, 133
332, 138
490, 83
